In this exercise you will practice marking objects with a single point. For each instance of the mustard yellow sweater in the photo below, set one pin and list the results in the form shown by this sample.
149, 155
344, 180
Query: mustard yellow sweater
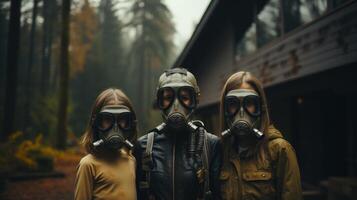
99, 179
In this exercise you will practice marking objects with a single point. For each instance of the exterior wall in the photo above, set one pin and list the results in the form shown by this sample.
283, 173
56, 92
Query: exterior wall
214, 62
315, 114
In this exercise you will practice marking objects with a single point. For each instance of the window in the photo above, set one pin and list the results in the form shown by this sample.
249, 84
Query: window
310, 10
247, 44
337, 3
268, 23
298, 12
278, 17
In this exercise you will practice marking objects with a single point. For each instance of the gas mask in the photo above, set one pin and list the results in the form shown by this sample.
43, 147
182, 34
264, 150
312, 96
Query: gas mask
177, 97
242, 109
113, 125
177, 105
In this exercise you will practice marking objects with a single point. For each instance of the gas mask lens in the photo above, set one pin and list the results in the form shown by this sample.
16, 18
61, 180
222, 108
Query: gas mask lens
186, 96
105, 121
250, 103
125, 121
232, 105
167, 95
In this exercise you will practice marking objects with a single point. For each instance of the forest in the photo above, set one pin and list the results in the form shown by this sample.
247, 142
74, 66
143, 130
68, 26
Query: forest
56, 56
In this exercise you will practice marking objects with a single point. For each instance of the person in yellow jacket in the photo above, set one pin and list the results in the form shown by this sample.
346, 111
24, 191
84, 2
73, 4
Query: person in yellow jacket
258, 163
108, 170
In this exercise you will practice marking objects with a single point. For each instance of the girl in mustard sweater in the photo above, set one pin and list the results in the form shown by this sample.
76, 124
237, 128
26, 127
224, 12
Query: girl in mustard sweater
108, 170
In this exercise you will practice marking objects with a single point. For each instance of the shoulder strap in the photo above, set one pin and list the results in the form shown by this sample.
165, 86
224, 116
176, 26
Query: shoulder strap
147, 162
150, 143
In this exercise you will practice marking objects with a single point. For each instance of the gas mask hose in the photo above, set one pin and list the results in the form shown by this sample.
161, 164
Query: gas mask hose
200, 141
192, 144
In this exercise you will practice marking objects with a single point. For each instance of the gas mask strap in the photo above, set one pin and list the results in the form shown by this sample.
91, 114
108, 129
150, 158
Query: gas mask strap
189, 114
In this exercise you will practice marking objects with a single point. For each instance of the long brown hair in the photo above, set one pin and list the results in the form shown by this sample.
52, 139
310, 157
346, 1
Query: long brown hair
111, 96
234, 82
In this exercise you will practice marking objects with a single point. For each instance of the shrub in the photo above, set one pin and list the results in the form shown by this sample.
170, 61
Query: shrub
26, 155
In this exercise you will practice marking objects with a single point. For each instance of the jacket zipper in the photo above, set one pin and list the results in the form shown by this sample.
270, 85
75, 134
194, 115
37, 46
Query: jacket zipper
173, 168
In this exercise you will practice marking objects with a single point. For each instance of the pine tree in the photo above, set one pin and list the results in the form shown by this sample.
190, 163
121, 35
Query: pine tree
11, 70
151, 50
64, 77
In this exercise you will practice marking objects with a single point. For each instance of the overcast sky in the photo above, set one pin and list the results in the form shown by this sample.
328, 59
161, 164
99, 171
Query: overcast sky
186, 15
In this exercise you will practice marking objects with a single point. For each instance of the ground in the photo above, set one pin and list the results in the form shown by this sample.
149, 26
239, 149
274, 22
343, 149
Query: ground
47, 188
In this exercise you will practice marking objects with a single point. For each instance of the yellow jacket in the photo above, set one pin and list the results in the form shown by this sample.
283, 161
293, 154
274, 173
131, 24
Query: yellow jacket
274, 175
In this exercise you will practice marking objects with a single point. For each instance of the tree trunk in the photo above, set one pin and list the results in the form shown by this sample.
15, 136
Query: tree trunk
27, 119
11, 70
51, 24
64, 77
48, 15
142, 72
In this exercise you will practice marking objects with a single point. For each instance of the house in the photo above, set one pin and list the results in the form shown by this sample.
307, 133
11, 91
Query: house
305, 53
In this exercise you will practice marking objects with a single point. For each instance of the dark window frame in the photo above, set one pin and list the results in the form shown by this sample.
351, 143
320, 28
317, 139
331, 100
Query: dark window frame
329, 9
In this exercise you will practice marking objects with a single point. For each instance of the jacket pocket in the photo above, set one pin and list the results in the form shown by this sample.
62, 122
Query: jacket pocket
225, 179
259, 184
257, 176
